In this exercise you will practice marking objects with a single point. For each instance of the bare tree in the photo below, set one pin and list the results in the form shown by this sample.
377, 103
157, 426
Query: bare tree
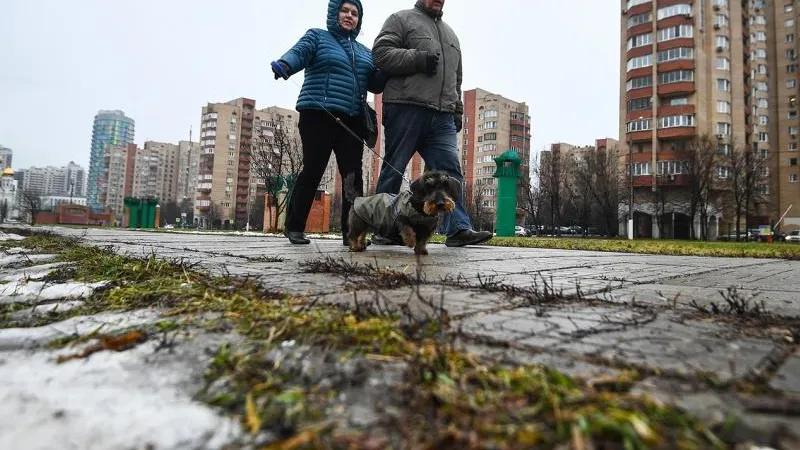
214, 216
277, 159
474, 202
703, 164
553, 186
600, 181
745, 174
31, 204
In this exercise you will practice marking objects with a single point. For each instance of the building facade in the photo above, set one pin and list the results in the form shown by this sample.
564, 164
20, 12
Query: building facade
60, 181
493, 125
119, 166
189, 153
8, 195
6, 156
720, 69
223, 181
110, 128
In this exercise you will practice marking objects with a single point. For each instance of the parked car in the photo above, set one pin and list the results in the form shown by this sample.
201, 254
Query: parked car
794, 236
520, 231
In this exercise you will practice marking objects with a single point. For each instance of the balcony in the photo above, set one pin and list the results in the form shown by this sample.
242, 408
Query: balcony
684, 87
204, 187
677, 132
639, 136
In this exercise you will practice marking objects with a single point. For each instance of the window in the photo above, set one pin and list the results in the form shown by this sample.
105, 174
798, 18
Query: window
722, 42
763, 137
721, 20
788, 23
723, 84
761, 36
793, 131
723, 172
763, 103
675, 76
763, 120
640, 169
723, 63
792, 161
762, 69
723, 128
640, 125
638, 104
675, 54
793, 178
490, 137
639, 82
792, 114
791, 84
791, 68
639, 19
787, 8
679, 31
490, 113
764, 154
720, 3
639, 62
674, 10
678, 101
792, 146
724, 149
723, 107
671, 167
762, 86
640, 40
791, 55
677, 121
789, 38
763, 189
758, 20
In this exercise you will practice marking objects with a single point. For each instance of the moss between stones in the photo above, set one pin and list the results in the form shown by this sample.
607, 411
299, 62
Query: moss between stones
450, 399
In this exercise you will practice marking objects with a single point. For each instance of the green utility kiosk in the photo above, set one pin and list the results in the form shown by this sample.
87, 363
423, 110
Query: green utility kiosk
507, 174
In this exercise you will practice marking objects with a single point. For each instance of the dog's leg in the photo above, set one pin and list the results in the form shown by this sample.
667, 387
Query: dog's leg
423, 235
357, 233
409, 236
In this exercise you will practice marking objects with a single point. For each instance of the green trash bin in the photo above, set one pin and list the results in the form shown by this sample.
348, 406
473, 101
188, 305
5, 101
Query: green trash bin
134, 206
507, 174
149, 212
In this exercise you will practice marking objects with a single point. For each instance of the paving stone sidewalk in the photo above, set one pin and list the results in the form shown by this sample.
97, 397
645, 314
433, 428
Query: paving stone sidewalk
589, 314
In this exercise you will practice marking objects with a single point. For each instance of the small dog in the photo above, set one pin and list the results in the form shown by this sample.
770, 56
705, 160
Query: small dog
412, 214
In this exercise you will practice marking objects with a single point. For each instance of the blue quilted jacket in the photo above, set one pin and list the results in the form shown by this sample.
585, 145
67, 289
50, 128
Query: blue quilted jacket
327, 57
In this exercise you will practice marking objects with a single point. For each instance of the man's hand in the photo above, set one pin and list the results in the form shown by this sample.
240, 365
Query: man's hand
459, 121
427, 62
280, 69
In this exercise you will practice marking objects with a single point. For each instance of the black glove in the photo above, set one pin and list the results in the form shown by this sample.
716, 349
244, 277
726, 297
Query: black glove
426, 62
459, 121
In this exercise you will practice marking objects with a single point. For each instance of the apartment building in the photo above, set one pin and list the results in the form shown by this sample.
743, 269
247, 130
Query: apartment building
119, 166
109, 128
223, 181
6, 156
719, 68
166, 169
67, 180
493, 125
189, 165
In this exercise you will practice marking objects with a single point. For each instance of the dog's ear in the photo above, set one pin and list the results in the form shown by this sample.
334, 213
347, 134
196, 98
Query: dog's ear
453, 188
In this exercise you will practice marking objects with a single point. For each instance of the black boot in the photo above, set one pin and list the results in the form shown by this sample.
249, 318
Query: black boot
297, 237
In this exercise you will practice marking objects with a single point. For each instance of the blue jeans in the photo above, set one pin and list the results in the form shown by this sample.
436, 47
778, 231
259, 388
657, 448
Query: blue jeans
410, 129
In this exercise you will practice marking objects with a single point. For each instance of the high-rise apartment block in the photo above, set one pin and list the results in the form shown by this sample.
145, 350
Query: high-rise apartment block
118, 174
725, 69
493, 125
6, 155
66, 181
223, 182
110, 128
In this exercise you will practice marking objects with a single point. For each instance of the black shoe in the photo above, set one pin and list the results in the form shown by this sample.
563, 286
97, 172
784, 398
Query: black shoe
297, 237
467, 237
377, 239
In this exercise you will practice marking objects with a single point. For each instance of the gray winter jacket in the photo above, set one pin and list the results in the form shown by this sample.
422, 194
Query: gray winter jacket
381, 211
400, 51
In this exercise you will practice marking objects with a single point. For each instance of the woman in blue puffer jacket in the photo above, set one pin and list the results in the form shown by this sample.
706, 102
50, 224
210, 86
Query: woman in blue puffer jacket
332, 60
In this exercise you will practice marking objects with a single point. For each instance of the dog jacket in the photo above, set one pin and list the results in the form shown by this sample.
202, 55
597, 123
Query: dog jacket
381, 211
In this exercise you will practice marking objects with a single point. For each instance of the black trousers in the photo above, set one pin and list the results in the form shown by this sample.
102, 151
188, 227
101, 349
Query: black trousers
321, 134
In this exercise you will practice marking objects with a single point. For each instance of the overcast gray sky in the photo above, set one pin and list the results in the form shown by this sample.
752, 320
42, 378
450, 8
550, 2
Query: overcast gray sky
160, 61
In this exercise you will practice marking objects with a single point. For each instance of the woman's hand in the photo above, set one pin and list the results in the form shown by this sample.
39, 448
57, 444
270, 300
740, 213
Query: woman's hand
280, 69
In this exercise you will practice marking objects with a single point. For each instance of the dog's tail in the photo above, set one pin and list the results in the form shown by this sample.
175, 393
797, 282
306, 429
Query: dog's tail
349, 187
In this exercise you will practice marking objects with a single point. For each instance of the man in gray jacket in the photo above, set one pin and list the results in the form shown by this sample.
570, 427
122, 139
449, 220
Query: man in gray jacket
422, 108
